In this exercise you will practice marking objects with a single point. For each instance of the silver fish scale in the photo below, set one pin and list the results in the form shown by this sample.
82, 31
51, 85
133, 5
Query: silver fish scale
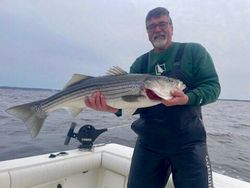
111, 86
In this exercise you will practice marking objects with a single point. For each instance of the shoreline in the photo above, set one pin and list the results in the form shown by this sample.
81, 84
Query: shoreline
47, 89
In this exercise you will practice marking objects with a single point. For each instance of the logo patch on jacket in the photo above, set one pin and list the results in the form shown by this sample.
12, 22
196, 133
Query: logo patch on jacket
159, 69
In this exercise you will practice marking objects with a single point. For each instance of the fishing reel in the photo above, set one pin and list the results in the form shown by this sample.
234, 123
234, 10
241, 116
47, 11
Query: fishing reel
86, 135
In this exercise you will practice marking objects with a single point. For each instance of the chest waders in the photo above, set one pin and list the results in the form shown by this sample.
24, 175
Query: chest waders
170, 139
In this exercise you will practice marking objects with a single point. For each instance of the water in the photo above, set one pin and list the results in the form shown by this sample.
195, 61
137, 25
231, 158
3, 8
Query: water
227, 124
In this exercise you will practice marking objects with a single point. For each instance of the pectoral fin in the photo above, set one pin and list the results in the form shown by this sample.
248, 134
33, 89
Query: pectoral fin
128, 111
132, 98
74, 111
74, 108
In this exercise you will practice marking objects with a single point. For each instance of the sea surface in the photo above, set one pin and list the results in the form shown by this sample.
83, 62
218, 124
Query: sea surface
227, 123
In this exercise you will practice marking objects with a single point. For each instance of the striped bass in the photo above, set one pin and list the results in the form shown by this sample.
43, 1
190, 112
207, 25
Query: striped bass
121, 90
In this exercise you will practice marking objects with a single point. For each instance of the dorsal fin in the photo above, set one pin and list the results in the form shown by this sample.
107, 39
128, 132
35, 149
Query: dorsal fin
116, 71
76, 78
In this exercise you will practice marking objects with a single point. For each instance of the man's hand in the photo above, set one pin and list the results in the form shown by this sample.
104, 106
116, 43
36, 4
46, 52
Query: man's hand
179, 98
97, 102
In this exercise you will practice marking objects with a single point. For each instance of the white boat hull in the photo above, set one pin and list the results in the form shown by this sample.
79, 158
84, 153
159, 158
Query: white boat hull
105, 167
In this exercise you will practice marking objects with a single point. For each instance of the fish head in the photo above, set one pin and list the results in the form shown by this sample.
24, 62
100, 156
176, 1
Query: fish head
160, 87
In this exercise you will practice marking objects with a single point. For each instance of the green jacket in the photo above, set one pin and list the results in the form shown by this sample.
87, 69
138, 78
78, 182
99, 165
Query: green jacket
196, 63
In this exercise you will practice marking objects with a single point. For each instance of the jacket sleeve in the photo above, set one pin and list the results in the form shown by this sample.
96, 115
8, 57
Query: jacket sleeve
136, 66
206, 82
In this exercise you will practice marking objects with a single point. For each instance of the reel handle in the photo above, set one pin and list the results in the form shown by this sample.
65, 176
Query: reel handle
70, 133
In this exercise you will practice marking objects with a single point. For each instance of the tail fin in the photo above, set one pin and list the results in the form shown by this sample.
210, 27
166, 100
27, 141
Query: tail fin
31, 114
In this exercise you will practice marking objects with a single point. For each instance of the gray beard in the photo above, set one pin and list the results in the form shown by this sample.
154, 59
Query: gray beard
160, 43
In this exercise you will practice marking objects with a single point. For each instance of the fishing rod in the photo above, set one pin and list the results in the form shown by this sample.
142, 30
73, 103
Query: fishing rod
86, 135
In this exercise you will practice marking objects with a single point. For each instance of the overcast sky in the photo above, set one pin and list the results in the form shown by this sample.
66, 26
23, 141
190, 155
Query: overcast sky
42, 43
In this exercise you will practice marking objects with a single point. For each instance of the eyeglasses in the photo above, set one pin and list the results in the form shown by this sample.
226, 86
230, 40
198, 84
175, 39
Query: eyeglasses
161, 25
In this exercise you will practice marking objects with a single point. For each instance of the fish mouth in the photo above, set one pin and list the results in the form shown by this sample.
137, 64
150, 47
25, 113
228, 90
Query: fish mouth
152, 95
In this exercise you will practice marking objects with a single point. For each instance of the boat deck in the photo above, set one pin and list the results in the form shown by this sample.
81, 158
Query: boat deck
104, 167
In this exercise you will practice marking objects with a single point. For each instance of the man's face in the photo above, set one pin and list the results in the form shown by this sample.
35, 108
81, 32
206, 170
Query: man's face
160, 32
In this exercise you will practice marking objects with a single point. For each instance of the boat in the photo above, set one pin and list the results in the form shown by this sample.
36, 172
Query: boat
103, 166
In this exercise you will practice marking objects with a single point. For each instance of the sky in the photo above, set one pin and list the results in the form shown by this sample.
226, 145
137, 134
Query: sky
43, 43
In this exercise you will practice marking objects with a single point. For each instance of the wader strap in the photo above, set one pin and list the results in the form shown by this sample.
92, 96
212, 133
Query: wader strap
144, 65
177, 61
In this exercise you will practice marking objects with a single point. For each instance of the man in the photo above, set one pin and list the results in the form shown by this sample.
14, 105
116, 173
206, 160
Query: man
171, 135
